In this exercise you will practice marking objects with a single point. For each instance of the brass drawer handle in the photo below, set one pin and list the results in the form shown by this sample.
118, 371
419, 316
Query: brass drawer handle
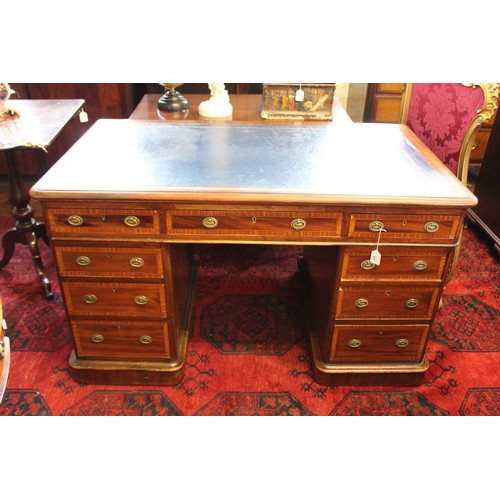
82, 260
90, 298
141, 300
75, 220
210, 222
419, 265
431, 227
360, 303
367, 265
376, 226
354, 343
136, 262
132, 221
298, 224
411, 303
402, 343
3, 350
97, 338
145, 339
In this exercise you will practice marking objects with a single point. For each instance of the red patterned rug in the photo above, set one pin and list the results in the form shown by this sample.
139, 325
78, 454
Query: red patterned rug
248, 354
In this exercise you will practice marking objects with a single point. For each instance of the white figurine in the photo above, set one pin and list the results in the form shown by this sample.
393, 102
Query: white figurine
218, 106
5, 93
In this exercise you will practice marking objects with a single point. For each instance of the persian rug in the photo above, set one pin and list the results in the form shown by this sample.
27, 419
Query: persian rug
249, 353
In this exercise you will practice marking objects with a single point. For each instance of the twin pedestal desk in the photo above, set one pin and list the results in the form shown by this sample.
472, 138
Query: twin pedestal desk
125, 205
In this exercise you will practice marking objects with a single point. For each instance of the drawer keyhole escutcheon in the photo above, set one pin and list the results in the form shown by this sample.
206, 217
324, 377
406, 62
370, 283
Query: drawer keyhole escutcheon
97, 338
136, 262
132, 221
360, 303
210, 222
411, 303
75, 220
83, 260
141, 300
376, 226
298, 224
254, 220
367, 265
419, 265
145, 339
90, 298
402, 343
354, 343
431, 227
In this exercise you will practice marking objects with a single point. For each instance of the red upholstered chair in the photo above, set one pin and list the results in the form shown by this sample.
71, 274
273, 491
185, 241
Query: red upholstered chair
446, 117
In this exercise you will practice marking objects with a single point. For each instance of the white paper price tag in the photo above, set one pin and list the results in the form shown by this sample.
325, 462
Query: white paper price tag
299, 95
84, 117
375, 257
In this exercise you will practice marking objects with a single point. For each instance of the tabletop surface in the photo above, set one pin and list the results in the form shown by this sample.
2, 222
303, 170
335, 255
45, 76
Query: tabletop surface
359, 163
246, 108
38, 123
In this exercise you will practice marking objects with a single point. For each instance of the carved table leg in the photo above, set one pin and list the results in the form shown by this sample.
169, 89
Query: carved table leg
26, 230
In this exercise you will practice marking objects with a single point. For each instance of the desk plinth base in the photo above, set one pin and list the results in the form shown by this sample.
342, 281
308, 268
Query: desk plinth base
330, 374
92, 371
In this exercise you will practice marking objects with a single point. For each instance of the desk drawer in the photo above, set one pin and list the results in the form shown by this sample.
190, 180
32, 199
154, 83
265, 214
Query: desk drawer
386, 302
378, 343
397, 263
110, 262
102, 221
366, 227
121, 339
282, 225
115, 299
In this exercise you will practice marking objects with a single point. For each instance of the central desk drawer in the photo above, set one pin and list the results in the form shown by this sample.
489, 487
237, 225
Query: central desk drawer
102, 221
115, 299
397, 263
121, 339
386, 302
378, 343
283, 225
110, 262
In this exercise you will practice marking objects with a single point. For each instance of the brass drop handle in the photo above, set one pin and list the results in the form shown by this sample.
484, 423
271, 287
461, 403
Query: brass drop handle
3, 350
431, 227
360, 303
145, 339
75, 220
298, 224
132, 221
419, 265
210, 222
141, 300
376, 226
354, 343
136, 262
90, 298
411, 303
402, 343
82, 260
97, 338
367, 265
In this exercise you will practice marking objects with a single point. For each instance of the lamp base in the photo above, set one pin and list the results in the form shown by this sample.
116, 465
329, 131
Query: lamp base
172, 100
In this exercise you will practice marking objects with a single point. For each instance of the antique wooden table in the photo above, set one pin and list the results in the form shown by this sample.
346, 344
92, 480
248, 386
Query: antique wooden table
37, 126
246, 109
126, 204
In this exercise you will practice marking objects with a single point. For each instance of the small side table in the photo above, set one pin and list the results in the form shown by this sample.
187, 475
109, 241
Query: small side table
37, 126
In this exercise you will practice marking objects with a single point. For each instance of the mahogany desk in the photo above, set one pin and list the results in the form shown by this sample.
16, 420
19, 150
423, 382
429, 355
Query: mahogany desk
37, 126
126, 203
